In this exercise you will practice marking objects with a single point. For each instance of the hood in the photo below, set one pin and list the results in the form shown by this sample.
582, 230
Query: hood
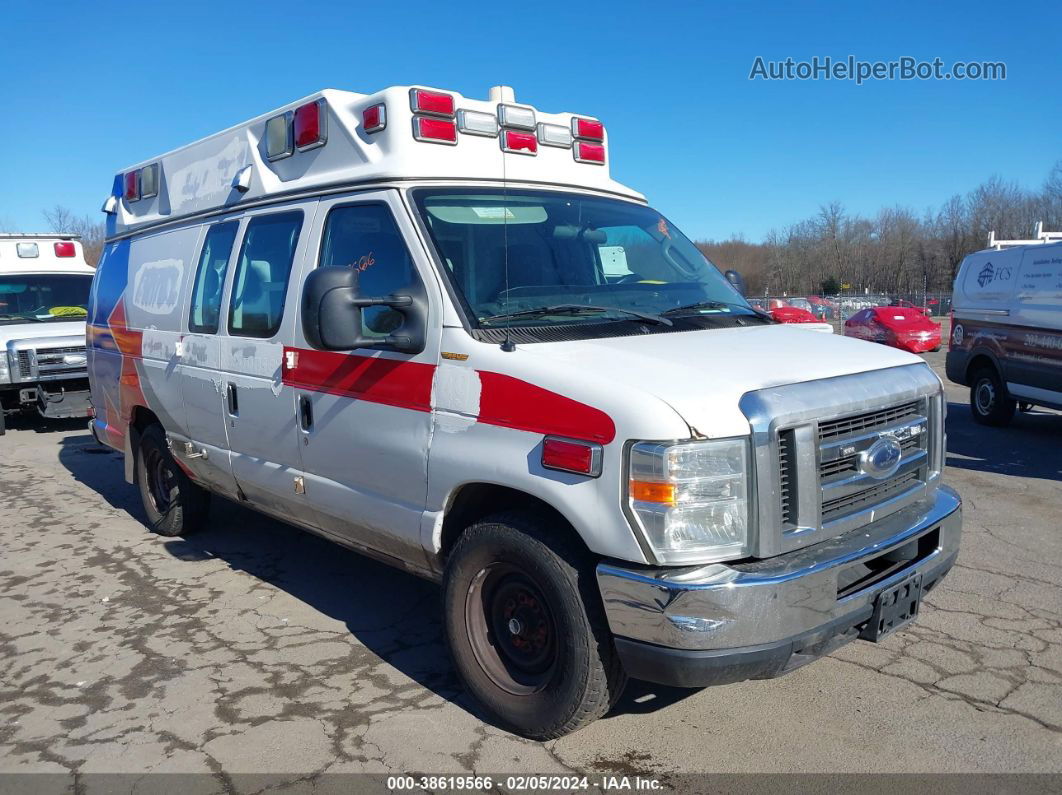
37, 331
703, 374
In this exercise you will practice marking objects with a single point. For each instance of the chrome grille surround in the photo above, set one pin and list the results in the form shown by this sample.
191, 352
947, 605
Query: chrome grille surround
807, 439
47, 359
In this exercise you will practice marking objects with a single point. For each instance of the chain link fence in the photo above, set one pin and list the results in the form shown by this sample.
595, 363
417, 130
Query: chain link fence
841, 307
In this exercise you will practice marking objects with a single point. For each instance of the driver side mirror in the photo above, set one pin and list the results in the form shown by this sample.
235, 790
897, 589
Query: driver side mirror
737, 281
332, 307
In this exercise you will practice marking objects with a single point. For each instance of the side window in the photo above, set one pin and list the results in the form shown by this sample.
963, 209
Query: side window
210, 278
365, 236
262, 272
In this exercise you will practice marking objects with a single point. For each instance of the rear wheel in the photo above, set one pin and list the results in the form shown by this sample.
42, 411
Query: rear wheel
526, 627
174, 504
989, 401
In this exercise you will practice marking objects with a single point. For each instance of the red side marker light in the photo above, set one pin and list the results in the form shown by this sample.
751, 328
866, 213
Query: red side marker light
582, 458
589, 153
65, 249
590, 129
309, 125
436, 131
433, 102
374, 119
524, 143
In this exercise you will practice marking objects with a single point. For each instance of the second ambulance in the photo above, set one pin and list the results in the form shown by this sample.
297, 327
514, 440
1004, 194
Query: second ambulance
433, 329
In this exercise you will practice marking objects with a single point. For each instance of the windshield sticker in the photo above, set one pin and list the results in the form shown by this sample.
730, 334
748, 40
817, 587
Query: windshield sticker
661, 227
494, 212
365, 261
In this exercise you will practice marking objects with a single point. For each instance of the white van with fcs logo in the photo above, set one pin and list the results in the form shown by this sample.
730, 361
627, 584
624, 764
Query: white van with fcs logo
1006, 337
434, 329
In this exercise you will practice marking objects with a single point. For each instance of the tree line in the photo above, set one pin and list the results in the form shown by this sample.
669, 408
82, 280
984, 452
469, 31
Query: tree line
895, 251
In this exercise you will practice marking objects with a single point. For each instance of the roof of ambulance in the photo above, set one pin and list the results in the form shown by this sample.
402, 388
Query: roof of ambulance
198, 178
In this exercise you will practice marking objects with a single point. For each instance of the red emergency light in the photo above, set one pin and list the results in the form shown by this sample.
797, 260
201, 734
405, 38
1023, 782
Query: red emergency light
582, 458
586, 152
436, 131
588, 129
132, 185
65, 249
433, 102
524, 143
374, 119
309, 125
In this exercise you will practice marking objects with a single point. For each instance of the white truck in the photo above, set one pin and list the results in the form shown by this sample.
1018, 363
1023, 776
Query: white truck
434, 329
44, 290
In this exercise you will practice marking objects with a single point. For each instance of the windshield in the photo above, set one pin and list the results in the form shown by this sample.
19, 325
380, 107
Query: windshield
613, 259
43, 297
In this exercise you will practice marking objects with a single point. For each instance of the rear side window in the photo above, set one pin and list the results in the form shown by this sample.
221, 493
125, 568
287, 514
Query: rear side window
262, 272
210, 278
365, 237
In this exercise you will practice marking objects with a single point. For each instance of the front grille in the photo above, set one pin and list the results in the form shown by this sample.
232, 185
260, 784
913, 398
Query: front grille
853, 503
24, 368
862, 423
850, 464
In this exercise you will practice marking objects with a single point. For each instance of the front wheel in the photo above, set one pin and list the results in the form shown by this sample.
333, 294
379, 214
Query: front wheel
989, 401
174, 504
526, 628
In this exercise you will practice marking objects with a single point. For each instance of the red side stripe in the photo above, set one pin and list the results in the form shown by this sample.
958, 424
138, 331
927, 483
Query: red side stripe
513, 403
504, 400
406, 385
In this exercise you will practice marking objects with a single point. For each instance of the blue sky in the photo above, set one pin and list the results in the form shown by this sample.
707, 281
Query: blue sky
88, 89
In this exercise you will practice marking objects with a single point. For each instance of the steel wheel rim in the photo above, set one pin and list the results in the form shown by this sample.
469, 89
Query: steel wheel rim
985, 396
511, 629
161, 481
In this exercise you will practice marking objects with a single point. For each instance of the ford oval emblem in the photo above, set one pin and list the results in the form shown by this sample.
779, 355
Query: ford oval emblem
882, 458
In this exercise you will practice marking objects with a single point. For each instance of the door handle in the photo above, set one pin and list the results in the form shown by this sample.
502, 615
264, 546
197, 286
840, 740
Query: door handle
234, 402
305, 413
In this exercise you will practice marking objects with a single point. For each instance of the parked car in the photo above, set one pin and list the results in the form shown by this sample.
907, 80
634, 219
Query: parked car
44, 291
793, 314
821, 307
413, 348
898, 326
1006, 335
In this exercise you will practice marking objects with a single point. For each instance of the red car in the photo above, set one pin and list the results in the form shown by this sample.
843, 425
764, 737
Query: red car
792, 314
898, 326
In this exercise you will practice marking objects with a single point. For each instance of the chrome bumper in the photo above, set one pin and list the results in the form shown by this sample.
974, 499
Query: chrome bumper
775, 601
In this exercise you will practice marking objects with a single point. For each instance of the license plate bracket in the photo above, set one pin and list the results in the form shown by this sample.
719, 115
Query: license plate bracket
894, 607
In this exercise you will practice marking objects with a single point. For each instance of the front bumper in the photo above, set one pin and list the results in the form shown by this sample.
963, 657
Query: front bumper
59, 402
723, 623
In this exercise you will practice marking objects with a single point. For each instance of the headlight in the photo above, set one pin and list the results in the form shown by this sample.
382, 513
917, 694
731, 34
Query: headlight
5, 374
691, 499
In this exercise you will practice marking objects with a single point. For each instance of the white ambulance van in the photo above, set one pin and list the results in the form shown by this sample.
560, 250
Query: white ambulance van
434, 329
44, 289
1006, 333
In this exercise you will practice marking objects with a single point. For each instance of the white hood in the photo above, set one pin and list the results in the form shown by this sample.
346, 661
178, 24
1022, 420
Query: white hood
37, 331
703, 374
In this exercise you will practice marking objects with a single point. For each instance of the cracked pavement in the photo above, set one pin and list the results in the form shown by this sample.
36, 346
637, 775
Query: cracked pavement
255, 648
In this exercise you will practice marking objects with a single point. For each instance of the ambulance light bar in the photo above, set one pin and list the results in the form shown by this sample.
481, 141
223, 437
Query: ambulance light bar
588, 129
524, 143
141, 184
475, 123
65, 249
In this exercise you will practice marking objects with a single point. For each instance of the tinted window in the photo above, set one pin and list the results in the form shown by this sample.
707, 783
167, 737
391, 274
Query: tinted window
210, 278
365, 236
262, 272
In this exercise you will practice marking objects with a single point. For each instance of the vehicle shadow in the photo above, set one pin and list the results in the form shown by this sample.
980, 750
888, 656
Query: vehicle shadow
30, 421
393, 614
1027, 448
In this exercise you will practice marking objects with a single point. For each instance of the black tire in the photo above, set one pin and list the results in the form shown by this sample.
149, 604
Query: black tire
989, 401
174, 504
555, 669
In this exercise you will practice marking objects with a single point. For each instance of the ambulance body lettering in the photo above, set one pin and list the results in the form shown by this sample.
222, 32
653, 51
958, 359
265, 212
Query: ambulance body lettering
433, 329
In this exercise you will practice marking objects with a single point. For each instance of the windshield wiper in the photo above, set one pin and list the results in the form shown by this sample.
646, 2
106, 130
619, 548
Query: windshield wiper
576, 309
27, 318
680, 310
